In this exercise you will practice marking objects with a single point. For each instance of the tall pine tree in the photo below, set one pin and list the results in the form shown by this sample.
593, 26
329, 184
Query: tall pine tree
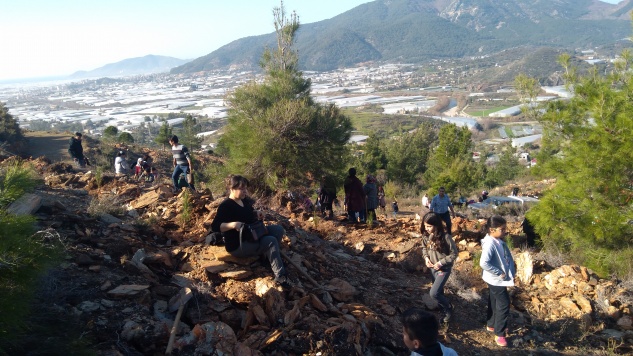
276, 134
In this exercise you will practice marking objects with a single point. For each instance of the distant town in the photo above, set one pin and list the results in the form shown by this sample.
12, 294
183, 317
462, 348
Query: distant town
138, 102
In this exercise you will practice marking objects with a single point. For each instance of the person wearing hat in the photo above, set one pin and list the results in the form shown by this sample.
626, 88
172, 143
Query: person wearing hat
120, 164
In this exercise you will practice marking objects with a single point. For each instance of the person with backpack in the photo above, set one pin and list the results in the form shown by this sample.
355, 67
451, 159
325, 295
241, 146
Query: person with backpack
439, 252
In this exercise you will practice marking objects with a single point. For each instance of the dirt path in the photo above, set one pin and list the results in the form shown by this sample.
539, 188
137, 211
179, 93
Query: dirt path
52, 145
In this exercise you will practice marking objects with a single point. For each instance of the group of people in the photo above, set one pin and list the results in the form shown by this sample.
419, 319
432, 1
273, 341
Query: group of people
142, 169
361, 201
245, 235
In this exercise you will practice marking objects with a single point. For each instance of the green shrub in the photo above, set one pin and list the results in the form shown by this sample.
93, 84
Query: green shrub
16, 179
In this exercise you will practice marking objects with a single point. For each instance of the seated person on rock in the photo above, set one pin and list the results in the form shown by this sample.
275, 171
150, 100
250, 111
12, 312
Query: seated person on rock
233, 218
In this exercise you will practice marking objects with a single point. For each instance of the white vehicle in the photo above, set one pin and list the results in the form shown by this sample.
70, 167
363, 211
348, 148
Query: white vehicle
496, 201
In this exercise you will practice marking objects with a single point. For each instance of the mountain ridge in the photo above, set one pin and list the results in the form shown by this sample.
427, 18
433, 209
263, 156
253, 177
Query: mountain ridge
132, 66
407, 30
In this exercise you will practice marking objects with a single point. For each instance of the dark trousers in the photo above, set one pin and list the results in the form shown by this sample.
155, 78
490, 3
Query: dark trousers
268, 246
447, 219
437, 290
498, 309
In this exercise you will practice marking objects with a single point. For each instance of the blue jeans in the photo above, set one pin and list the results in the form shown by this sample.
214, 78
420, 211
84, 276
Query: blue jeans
177, 171
267, 245
437, 290
498, 309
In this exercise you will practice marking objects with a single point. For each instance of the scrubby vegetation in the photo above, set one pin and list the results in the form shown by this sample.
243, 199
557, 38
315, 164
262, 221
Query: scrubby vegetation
24, 254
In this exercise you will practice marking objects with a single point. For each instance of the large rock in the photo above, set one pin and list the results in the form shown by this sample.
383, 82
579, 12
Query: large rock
25, 205
341, 290
525, 267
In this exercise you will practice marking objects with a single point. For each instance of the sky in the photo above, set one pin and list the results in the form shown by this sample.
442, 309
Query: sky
43, 38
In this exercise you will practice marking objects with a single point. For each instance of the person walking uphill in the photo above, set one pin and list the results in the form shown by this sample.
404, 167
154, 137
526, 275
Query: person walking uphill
439, 252
354, 196
498, 272
182, 161
233, 218
371, 193
76, 150
442, 206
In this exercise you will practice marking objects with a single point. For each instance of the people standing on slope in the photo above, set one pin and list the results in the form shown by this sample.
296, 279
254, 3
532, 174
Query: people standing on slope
354, 197
439, 252
498, 272
76, 150
425, 201
371, 196
442, 206
326, 196
182, 162
120, 164
382, 201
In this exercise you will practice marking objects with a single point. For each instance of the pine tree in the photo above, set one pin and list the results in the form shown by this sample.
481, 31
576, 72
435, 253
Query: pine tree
163, 134
188, 136
588, 148
9, 129
276, 134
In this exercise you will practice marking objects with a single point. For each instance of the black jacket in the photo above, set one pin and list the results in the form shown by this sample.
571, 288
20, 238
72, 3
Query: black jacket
75, 148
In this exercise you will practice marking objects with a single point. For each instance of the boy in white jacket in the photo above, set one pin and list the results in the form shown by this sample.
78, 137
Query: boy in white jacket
498, 271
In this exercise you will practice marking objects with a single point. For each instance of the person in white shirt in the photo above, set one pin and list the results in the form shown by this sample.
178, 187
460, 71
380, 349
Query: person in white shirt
498, 272
120, 164
419, 333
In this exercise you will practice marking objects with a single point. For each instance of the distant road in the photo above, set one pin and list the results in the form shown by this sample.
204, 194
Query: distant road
52, 145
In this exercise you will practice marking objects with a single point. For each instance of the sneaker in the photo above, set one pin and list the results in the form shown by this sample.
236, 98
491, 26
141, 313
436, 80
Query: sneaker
284, 282
449, 314
490, 328
501, 341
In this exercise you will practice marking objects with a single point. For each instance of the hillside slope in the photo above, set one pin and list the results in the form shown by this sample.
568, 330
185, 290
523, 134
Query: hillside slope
121, 272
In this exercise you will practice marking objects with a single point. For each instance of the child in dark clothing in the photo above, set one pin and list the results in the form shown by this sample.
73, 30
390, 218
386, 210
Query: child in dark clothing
394, 207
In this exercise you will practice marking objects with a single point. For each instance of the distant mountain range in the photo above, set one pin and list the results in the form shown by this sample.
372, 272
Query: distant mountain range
132, 66
418, 30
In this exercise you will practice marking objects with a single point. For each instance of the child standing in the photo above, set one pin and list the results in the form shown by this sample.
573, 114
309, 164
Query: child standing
498, 272
439, 252
419, 333
394, 207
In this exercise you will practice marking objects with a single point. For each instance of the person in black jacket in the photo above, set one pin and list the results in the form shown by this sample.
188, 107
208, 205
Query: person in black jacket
234, 214
76, 150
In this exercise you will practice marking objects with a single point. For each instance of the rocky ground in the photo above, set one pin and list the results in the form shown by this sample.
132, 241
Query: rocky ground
140, 246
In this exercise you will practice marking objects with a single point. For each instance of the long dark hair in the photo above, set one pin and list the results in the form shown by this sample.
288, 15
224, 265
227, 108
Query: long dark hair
495, 221
438, 242
236, 181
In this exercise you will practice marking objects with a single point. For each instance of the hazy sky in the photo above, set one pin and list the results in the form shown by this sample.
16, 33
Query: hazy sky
45, 37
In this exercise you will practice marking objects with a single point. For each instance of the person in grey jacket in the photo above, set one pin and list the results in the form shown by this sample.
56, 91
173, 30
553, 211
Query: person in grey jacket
498, 272
371, 193
439, 252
